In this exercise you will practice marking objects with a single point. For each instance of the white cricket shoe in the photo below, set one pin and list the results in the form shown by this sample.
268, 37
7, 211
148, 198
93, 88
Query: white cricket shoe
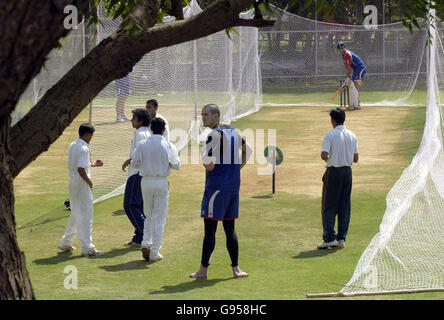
67, 248
92, 253
328, 245
156, 258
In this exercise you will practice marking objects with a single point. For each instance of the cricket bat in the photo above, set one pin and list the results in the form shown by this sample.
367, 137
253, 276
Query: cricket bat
337, 92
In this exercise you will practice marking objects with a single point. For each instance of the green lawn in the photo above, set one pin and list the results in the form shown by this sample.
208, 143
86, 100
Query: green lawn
277, 234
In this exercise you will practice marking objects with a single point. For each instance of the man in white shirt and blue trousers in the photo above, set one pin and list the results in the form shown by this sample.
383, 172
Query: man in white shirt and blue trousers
339, 151
154, 158
133, 201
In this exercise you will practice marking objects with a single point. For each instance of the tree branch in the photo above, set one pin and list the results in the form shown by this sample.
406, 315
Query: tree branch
257, 23
144, 14
216, 17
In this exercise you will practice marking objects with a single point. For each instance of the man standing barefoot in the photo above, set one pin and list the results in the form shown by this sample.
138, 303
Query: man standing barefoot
220, 202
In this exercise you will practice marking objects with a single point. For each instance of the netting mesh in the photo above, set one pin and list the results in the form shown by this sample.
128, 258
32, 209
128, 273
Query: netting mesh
299, 55
182, 78
58, 63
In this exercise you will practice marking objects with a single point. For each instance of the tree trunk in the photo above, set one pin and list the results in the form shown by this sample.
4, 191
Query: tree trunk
30, 30
14, 279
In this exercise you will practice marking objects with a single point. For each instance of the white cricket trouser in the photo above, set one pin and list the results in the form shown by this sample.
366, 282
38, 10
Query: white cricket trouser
81, 218
354, 95
155, 206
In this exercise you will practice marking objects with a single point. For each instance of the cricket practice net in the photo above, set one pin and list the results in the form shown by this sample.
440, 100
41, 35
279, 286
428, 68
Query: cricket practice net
299, 56
182, 78
407, 255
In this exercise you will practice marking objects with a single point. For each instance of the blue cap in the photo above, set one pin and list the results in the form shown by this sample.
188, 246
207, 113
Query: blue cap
341, 45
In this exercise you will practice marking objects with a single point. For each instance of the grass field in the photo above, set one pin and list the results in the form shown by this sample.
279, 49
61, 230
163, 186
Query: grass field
277, 233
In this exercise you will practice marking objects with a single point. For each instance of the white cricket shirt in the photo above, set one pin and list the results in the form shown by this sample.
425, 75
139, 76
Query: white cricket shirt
78, 157
155, 156
140, 134
166, 133
341, 144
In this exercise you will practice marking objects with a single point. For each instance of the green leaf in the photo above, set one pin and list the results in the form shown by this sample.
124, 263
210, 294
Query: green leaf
292, 4
307, 4
266, 8
111, 5
407, 24
319, 5
230, 30
134, 29
227, 31
161, 16
328, 10
119, 11
125, 23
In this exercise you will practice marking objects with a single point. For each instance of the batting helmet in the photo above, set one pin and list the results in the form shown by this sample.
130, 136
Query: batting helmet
341, 45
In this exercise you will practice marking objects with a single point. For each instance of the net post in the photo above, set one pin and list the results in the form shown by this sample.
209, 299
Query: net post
195, 87
83, 56
195, 122
316, 42
274, 172
383, 38
195, 77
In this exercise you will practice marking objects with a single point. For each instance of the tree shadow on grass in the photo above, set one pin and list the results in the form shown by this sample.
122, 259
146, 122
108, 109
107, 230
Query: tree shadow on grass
58, 258
119, 212
55, 214
68, 256
314, 253
268, 196
188, 286
130, 265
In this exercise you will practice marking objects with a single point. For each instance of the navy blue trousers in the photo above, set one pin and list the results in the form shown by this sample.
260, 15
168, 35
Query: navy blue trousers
133, 205
336, 193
